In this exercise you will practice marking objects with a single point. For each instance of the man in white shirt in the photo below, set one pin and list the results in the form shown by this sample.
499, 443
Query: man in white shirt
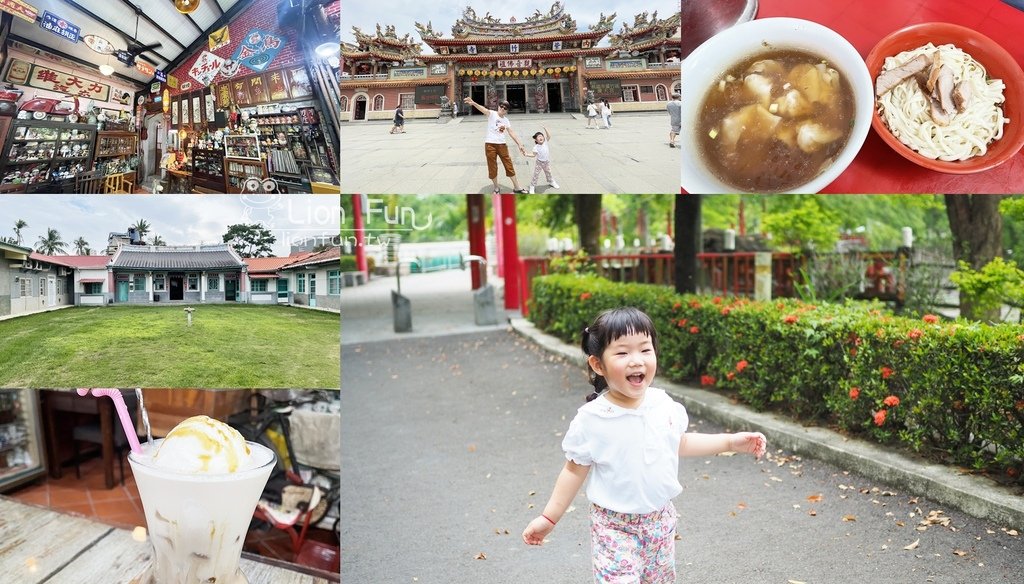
495, 146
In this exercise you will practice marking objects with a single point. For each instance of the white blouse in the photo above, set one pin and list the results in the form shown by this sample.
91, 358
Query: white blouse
633, 454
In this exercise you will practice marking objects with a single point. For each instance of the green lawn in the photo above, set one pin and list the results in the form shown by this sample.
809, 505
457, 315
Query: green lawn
228, 346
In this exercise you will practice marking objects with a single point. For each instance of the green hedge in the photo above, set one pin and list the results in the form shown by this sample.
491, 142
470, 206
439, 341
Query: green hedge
348, 263
959, 385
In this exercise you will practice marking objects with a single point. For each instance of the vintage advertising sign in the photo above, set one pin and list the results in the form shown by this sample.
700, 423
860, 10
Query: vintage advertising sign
205, 68
174, 113
59, 26
197, 110
53, 80
172, 81
161, 76
184, 110
144, 67
20, 9
219, 38
258, 48
240, 91
154, 87
223, 95
166, 100
211, 109
277, 86
125, 57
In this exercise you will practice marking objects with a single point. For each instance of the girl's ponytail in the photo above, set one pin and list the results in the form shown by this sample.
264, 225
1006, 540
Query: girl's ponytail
591, 346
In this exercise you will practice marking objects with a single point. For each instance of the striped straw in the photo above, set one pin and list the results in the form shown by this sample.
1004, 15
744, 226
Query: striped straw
122, 412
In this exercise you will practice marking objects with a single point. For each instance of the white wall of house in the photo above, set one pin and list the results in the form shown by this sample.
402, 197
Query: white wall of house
96, 299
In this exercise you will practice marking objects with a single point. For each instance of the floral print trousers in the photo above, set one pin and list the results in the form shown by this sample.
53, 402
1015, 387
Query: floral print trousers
634, 548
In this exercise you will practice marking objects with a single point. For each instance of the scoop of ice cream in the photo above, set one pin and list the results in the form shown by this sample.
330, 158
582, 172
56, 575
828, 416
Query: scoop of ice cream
202, 445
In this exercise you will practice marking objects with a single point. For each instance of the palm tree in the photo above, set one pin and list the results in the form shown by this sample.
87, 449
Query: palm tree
52, 243
18, 226
142, 226
81, 246
157, 240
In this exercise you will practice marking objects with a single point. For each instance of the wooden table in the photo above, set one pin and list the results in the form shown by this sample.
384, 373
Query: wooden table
179, 182
41, 545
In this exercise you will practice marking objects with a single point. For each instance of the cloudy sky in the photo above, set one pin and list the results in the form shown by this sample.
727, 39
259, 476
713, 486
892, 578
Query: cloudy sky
178, 219
403, 14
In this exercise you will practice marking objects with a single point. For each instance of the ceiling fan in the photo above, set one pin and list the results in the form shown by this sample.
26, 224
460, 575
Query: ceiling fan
135, 48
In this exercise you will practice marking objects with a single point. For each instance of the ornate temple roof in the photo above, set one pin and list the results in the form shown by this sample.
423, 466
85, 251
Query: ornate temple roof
646, 31
555, 25
385, 44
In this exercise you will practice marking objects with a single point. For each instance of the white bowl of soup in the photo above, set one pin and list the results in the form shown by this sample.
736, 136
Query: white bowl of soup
777, 105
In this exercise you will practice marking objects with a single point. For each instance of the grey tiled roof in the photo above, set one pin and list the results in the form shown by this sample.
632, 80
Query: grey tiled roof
187, 257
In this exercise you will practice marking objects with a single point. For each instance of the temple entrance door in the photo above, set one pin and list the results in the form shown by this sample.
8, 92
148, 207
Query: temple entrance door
359, 111
177, 286
230, 290
554, 97
479, 95
516, 96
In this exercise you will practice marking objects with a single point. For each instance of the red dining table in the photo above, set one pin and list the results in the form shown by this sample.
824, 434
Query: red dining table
878, 168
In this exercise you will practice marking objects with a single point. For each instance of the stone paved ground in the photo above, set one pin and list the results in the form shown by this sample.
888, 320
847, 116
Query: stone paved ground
631, 157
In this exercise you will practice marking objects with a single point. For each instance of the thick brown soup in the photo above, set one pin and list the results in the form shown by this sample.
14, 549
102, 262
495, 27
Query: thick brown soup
775, 121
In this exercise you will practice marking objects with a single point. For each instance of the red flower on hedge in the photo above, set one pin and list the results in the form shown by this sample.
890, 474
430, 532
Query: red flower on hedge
707, 380
730, 376
741, 366
694, 330
716, 300
790, 319
891, 401
854, 392
880, 417
780, 306
930, 318
585, 296
853, 352
915, 334
726, 311
886, 372
695, 304
682, 322
677, 305
1019, 337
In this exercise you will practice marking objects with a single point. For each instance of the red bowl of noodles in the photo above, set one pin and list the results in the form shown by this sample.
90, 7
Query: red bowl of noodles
998, 64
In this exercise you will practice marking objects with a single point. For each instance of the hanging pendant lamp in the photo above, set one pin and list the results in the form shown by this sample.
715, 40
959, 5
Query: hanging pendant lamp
186, 6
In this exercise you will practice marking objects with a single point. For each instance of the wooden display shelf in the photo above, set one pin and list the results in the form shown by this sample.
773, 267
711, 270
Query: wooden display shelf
238, 170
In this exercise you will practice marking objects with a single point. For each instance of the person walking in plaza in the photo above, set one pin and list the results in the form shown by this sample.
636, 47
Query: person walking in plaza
399, 127
628, 438
675, 113
542, 153
606, 113
591, 115
495, 145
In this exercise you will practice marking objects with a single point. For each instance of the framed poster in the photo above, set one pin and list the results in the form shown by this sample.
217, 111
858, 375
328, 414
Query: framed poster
184, 110
197, 110
258, 89
223, 95
240, 91
277, 85
208, 97
298, 80
174, 113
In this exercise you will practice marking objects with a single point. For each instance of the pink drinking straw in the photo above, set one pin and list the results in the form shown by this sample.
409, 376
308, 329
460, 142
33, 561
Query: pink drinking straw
122, 412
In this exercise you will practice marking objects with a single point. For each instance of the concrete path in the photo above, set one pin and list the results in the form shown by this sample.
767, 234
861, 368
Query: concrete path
631, 157
452, 444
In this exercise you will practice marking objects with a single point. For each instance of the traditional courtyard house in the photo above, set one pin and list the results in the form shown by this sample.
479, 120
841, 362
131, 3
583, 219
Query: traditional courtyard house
267, 284
541, 63
32, 282
86, 278
140, 274
316, 279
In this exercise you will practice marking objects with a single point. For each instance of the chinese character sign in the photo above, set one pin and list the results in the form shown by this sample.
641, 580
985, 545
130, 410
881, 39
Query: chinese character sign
258, 48
53, 80
205, 68
59, 26
514, 63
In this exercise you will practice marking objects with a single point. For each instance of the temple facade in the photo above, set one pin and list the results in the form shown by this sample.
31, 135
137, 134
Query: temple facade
540, 64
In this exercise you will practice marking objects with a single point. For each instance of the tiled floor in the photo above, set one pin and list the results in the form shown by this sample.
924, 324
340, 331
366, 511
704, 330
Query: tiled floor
120, 506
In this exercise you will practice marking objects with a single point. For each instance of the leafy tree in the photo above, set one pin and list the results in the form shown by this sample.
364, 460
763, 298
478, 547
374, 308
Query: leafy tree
157, 240
51, 243
987, 289
18, 226
81, 246
807, 226
250, 240
143, 227
977, 230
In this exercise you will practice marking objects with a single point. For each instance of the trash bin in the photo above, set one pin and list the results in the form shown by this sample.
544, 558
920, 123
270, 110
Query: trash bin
403, 312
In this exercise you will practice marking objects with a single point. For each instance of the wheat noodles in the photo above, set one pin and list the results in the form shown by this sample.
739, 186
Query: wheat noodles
905, 109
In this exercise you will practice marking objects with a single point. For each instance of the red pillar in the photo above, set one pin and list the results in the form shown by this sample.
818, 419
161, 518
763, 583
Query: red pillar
496, 207
360, 229
509, 250
477, 234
